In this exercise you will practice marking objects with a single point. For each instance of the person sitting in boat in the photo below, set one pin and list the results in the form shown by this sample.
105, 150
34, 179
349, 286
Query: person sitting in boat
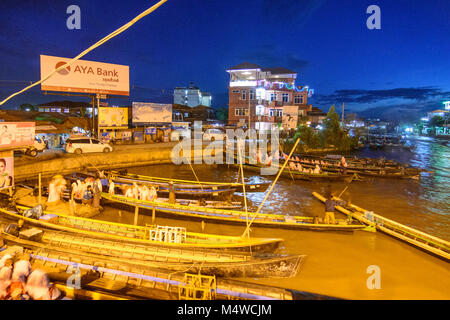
5, 276
152, 194
343, 165
21, 270
317, 169
135, 191
111, 189
88, 196
144, 193
299, 167
268, 160
129, 192
99, 184
172, 197
292, 165
38, 286
259, 157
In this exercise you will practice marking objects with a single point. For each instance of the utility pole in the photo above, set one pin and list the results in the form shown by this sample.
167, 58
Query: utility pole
249, 109
343, 107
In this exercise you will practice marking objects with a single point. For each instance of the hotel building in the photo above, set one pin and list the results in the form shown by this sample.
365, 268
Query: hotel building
264, 92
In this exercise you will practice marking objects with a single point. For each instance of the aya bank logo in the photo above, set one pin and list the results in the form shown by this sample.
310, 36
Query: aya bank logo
62, 72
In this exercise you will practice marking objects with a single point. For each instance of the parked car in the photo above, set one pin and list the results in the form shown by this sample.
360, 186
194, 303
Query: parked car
179, 135
80, 145
39, 145
214, 134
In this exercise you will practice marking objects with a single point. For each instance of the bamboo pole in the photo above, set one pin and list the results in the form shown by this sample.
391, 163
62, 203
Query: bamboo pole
247, 230
136, 215
40, 187
243, 186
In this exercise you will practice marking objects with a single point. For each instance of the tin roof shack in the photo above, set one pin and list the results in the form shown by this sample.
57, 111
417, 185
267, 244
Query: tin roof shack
181, 113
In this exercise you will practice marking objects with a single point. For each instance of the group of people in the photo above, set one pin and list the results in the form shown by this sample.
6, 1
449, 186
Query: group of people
141, 192
18, 281
298, 167
295, 164
88, 191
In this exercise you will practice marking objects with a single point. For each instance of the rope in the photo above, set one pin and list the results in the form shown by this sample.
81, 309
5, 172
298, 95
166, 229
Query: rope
247, 229
273, 184
96, 45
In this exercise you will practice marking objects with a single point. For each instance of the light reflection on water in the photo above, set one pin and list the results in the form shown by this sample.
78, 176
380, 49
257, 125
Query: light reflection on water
336, 263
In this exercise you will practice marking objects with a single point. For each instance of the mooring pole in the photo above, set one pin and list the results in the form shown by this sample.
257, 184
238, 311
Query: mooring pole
40, 192
153, 214
136, 214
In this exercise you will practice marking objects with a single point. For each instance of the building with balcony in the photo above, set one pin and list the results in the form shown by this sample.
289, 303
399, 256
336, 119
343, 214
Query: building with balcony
191, 96
257, 95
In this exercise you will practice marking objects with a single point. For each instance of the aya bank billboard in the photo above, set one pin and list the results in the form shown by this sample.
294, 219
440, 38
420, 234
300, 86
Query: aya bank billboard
84, 76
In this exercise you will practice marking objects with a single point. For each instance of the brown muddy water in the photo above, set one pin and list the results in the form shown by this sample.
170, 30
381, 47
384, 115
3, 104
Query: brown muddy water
336, 264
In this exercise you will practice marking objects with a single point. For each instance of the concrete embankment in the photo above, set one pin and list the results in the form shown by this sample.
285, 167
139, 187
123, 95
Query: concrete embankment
120, 158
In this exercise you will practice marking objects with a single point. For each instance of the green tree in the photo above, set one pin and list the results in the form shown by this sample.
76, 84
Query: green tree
222, 114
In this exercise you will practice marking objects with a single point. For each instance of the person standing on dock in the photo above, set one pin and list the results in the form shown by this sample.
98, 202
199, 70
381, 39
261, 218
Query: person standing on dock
172, 198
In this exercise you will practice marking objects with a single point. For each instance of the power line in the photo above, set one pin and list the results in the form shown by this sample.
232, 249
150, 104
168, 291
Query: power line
96, 45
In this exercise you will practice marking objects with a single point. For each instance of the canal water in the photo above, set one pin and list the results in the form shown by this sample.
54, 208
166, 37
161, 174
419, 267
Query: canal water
337, 264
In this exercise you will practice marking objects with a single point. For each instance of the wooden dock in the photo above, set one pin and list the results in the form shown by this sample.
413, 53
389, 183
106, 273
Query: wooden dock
428, 243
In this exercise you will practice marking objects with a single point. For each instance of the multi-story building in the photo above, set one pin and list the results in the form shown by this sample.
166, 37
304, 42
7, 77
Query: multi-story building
191, 96
258, 95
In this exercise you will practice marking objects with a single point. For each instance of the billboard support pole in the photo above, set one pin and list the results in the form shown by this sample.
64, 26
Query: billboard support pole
98, 105
93, 108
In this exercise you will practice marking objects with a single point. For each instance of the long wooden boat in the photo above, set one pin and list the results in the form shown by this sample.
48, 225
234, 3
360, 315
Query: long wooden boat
297, 175
419, 239
218, 204
109, 252
365, 167
249, 187
367, 171
181, 190
132, 282
166, 237
233, 216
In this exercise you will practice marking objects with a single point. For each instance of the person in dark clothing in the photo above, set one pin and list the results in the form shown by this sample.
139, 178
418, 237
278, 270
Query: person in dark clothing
87, 196
329, 209
330, 205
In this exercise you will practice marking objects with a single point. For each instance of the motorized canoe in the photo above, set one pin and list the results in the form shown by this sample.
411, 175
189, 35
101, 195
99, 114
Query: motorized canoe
135, 283
297, 175
162, 236
419, 239
232, 216
162, 187
267, 265
249, 187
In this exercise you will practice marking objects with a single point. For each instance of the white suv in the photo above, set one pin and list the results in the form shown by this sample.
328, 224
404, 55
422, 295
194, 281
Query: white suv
85, 144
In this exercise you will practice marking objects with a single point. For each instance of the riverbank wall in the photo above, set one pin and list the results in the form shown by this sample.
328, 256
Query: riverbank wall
69, 163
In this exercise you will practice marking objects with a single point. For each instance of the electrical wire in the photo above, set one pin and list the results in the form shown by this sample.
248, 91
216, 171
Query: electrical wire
94, 46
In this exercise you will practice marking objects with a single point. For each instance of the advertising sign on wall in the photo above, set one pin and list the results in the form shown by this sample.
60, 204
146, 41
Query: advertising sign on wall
290, 117
16, 134
144, 112
112, 117
6, 172
85, 76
